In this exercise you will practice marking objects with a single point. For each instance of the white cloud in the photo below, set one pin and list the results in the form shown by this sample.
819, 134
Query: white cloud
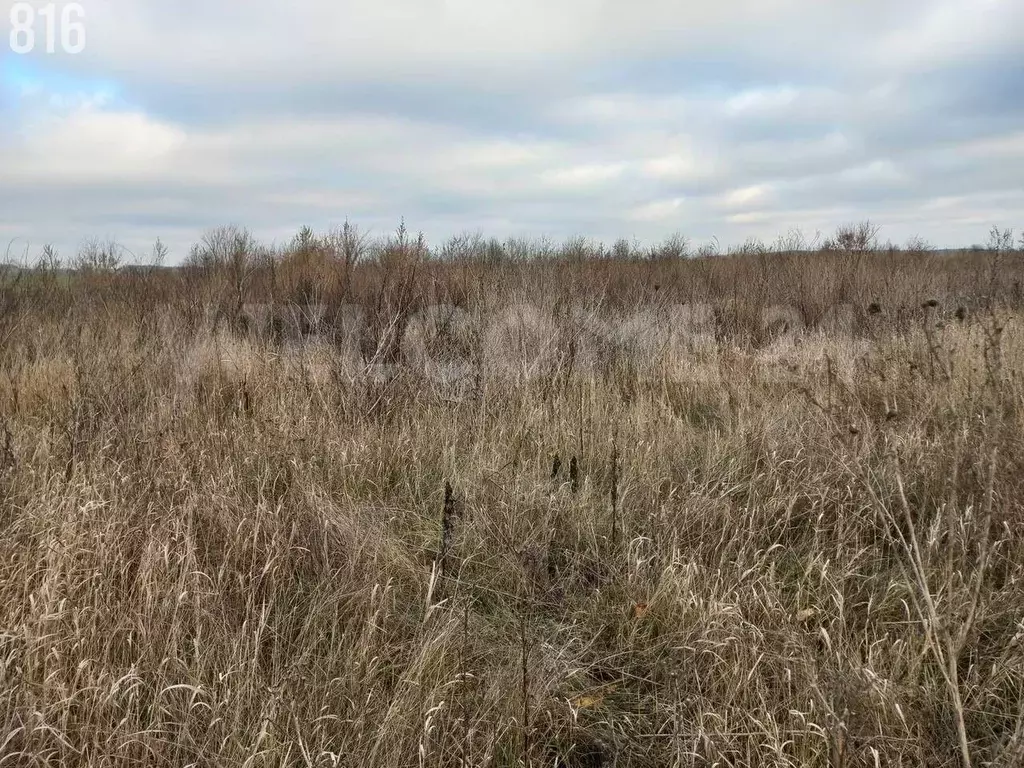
746, 197
762, 100
658, 210
361, 37
951, 29
882, 172
91, 143
1008, 147
529, 117
498, 154
685, 163
586, 176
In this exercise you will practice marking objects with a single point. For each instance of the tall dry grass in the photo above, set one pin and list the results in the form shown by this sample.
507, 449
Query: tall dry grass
762, 542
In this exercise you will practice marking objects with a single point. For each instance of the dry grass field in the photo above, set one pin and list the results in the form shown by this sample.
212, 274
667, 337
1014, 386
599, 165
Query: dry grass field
345, 504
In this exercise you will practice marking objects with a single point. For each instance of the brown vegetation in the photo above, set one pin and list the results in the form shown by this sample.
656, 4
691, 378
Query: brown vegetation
502, 506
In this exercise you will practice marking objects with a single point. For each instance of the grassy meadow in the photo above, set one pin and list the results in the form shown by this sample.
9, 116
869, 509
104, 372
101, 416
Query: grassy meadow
344, 503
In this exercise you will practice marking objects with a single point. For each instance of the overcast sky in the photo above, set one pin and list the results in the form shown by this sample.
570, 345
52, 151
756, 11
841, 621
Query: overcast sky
636, 119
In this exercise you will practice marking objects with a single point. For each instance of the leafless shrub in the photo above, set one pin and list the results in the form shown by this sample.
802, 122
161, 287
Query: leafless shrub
917, 244
677, 246
99, 257
854, 238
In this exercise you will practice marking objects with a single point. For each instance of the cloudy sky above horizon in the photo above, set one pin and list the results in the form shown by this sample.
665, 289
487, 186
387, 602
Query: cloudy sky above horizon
554, 118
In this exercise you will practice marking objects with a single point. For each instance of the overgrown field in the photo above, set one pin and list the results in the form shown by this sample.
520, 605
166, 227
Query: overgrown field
494, 509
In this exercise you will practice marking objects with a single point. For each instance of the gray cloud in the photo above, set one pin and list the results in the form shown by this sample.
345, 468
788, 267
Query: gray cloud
731, 120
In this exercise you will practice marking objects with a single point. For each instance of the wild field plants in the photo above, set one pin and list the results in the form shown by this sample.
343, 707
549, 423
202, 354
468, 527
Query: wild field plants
376, 505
